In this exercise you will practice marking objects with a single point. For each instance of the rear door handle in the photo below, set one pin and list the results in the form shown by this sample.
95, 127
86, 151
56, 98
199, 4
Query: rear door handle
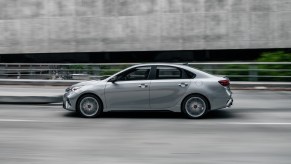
183, 85
143, 85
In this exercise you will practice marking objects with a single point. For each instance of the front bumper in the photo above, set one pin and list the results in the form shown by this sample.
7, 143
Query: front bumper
67, 102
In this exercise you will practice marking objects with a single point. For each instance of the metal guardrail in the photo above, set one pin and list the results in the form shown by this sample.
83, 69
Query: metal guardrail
236, 71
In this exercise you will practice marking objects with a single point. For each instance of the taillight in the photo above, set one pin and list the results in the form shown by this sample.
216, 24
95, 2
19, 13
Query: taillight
224, 83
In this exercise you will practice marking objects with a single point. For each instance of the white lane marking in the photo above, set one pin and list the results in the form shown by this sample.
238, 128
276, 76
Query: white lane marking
258, 123
15, 120
228, 123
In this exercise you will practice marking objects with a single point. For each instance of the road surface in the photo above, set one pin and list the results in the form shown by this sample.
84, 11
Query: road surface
257, 129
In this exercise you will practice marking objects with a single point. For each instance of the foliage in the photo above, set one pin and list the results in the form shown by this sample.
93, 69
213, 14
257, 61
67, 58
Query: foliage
236, 71
110, 70
266, 70
80, 69
102, 70
275, 70
278, 56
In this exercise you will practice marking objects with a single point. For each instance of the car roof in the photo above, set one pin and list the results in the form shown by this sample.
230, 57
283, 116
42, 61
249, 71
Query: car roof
186, 67
163, 64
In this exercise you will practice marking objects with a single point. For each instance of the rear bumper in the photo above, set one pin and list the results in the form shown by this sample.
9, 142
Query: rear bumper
229, 103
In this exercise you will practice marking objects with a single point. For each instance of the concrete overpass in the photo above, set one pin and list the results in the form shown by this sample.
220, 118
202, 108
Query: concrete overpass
48, 26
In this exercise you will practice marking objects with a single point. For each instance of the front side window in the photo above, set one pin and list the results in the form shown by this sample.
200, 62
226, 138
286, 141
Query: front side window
139, 73
168, 73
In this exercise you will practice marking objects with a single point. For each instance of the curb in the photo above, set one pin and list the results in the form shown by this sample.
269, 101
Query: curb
30, 99
261, 88
39, 82
270, 86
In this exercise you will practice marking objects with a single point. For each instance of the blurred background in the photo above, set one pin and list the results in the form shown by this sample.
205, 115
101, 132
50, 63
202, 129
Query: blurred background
48, 45
89, 39
265, 66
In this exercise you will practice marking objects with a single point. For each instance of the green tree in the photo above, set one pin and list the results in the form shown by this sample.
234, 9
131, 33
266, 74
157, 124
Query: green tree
278, 56
278, 70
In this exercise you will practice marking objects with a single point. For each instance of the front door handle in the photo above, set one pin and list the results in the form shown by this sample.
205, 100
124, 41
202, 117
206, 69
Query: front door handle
143, 85
183, 85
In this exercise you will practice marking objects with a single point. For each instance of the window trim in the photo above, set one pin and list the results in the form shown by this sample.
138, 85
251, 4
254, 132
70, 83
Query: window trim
183, 72
168, 68
130, 71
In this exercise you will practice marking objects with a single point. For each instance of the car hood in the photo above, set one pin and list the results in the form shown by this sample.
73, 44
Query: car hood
91, 82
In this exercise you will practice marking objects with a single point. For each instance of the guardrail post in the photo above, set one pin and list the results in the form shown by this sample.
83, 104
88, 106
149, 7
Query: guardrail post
30, 71
253, 73
18, 73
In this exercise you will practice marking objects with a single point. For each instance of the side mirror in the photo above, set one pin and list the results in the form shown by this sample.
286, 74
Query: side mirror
113, 79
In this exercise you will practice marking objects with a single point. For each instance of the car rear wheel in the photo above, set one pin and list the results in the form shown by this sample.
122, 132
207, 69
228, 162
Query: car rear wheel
195, 106
89, 106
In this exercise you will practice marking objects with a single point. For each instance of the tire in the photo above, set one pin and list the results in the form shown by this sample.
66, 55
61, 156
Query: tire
195, 106
89, 106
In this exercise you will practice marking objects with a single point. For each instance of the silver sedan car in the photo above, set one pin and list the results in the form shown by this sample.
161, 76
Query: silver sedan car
172, 87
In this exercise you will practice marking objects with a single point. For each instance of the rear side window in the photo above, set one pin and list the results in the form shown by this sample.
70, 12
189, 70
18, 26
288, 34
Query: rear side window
168, 73
189, 75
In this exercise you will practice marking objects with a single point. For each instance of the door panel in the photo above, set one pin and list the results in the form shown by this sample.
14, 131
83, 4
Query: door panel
130, 90
126, 95
167, 93
168, 87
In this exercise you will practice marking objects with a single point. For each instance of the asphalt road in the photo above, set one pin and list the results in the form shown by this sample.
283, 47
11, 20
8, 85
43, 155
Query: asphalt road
257, 129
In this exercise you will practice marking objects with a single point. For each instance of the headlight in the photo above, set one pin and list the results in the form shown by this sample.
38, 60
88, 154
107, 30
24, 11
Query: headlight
68, 89
74, 89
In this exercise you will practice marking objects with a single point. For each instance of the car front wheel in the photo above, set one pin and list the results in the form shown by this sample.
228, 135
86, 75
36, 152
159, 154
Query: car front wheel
89, 106
195, 106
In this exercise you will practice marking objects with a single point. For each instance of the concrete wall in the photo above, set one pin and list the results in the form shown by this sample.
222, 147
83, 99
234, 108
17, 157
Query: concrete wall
28, 26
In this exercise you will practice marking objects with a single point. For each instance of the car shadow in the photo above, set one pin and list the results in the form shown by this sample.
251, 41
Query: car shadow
217, 114
143, 114
221, 114
71, 114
